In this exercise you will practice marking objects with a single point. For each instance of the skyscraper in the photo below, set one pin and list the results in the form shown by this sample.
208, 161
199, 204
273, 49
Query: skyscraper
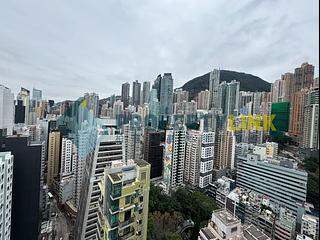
6, 174
166, 97
24, 96
107, 147
136, 91
153, 151
19, 112
145, 92
25, 217
157, 85
214, 81
125, 94
6, 111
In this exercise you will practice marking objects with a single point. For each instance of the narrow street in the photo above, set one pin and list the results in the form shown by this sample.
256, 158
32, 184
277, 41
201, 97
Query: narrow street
63, 226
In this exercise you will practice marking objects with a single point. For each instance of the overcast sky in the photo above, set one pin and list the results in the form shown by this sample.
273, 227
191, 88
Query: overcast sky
69, 47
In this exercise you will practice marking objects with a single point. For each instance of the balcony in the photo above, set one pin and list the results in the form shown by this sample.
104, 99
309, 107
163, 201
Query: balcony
126, 223
127, 235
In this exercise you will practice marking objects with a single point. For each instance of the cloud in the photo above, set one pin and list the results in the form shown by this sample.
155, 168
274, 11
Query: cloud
70, 47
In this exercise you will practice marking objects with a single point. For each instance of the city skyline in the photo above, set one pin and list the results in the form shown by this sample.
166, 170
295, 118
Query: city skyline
93, 49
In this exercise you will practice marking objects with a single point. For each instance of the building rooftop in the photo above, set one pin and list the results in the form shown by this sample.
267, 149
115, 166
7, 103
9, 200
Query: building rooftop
225, 217
253, 233
141, 163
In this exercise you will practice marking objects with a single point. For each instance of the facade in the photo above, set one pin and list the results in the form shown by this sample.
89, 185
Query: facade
296, 115
125, 94
153, 152
125, 200
279, 179
25, 214
310, 226
92, 103
6, 176
281, 111
6, 111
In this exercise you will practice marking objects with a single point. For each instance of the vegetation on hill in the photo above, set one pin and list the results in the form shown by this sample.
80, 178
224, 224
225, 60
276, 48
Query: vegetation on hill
311, 165
166, 213
248, 82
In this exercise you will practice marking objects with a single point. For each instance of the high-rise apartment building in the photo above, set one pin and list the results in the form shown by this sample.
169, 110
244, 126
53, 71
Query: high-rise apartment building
125, 199
199, 158
214, 81
311, 120
192, 158
6, 176
224, 151
54, 145
228, 97
203, 100
107, 147
136, 92
145, 92
303, 77
174, 157
153, 151
166, 96
180, 95
125, 94
296, 115
132, 137
6, 111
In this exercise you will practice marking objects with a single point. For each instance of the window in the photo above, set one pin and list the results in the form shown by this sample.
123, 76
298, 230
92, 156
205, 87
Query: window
143, 176
128, 199
234, 229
